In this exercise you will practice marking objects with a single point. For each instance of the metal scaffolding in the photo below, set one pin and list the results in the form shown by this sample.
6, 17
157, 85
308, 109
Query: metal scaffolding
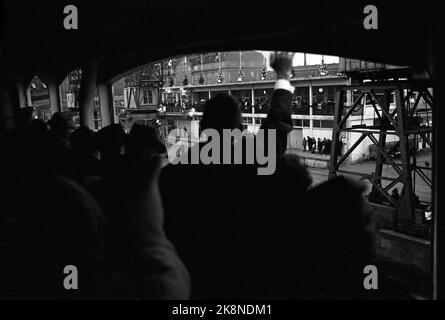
404, 121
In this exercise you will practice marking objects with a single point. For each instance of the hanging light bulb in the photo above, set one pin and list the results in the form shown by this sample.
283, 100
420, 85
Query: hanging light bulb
264, 71
219, 77
240, 75
239, 78
201, 78
323, 71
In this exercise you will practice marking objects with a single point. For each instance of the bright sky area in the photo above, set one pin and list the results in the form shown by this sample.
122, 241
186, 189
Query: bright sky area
311, 59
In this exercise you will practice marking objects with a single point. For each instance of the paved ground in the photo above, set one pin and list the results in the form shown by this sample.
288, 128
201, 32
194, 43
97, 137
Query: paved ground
319, 175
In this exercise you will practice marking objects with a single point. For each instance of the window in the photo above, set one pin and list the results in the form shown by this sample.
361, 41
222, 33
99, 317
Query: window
327, 123
306, 123
297, 122
147, 97
316, 123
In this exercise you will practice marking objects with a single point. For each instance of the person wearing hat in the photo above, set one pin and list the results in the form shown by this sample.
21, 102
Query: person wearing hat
61, 125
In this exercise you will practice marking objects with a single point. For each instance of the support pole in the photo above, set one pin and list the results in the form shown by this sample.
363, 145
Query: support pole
54, 96
438, 114
106, 104
21, 90
338, 111
382, 138
86, 96
28, 96
8, 107
311, 101
406, 194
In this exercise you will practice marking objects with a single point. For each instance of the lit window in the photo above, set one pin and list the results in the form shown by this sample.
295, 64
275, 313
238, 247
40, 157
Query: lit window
145, 97
150, 97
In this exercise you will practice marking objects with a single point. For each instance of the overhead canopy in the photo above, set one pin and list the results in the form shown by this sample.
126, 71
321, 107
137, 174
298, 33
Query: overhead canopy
125, 34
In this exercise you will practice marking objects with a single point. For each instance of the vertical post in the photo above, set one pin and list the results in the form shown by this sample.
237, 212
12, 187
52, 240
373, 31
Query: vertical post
406, 194
54, 96
252, 92
106, 102
28, 96
87, 92
311, 100
209, 94
382, 136
438, 115
8, 107
60, 98
21, 93
349, 99
336, 131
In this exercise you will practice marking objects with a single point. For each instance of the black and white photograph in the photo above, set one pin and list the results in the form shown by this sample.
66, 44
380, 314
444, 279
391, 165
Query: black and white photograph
221, 155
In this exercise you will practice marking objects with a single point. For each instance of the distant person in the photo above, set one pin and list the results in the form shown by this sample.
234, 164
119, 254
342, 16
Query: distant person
61, 125
314, 145
323, 146
428, 215
395, 195
310, 143
304, 143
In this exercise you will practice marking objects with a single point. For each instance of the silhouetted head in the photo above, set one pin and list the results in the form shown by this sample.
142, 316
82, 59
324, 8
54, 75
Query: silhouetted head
335, 240
23, 116
111, 140
38, 127
143, 142
221, 112
61, 125
82, 140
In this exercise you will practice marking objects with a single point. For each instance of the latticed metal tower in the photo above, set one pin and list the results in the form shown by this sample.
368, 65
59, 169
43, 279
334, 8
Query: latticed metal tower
402, 121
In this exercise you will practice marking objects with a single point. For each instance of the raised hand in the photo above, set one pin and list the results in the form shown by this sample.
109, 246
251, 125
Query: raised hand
281, 62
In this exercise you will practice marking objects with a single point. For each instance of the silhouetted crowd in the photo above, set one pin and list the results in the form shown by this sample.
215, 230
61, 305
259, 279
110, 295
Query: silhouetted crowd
320, 146
101, 202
